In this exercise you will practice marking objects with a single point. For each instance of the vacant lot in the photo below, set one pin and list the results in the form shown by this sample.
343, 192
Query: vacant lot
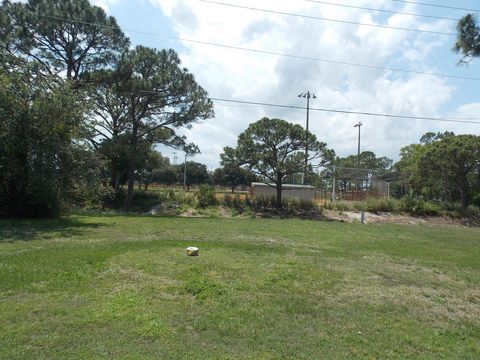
122, 287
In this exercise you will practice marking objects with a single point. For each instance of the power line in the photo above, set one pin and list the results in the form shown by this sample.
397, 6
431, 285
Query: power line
454, 120
350, 112
327, 19
274, 53
435, 5
383, 10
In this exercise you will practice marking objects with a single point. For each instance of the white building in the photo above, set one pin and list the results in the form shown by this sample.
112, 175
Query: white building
305, 192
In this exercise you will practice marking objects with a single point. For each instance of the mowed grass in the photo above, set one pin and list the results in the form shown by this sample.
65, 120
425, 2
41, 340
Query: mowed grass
122, 287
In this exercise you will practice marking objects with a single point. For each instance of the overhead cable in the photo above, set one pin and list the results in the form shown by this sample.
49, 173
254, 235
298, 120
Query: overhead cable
382, 10
327, 19
436, 5
365, 113
275, 53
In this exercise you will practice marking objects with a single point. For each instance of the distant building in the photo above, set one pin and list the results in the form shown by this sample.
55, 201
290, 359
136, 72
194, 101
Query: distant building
305, 192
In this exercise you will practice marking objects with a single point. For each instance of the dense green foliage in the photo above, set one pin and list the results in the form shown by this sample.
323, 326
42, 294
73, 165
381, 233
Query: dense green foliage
134, 98
206, 196
232, 176
42, 161
468, 38
148, 97
71, 36
444, 168
88, 287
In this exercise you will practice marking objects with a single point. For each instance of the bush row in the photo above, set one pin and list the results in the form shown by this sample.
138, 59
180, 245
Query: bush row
206, 197
408, 204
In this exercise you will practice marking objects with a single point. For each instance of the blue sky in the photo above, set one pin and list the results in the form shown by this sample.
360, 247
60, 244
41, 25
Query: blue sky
265, 78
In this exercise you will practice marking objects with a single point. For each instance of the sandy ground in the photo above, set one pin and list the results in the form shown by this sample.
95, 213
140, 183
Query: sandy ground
388, 218
344, 216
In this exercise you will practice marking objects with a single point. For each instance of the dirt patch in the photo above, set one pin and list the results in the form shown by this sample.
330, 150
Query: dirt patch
389, 218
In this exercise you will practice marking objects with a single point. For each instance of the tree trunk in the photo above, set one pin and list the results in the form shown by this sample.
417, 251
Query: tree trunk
233, 189
279, 191
117, 184
131, 160
131, 183
114, 176
464, 193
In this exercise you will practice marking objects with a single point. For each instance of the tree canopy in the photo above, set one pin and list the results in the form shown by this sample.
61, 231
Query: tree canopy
273, 149
70, 36
232, 175
196, 173
148, 96
445, 167
468, 38
42, 158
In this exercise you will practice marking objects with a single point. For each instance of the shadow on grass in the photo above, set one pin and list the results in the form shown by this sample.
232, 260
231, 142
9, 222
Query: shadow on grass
35, 229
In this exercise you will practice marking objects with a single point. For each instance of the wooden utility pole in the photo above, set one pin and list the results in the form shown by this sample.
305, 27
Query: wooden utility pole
307, 95
359, 125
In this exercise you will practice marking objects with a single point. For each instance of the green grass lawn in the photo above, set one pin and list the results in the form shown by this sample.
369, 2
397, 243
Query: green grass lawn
122, 287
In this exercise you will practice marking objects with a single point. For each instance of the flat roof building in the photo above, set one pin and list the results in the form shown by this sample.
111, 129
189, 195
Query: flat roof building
304, 192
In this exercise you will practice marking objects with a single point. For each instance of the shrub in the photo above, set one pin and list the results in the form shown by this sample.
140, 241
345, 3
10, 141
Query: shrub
171, 194
181, 198
343, 206
228, 200
380, 205
264, 202
206, 196
328, 206
428, 208
457, 210
306, 205
293, 204
408, 204
419, 206
237, 203
359, 206
142, 200
476, 200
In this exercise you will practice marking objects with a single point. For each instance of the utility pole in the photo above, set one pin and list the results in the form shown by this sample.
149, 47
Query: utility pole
333, 185
174, 158
359, 125
307, 95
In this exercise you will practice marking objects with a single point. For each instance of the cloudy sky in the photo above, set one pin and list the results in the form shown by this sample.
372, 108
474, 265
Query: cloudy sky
233, 74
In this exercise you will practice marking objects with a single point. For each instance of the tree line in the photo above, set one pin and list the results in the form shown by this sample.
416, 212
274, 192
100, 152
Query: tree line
75, 93
82, 111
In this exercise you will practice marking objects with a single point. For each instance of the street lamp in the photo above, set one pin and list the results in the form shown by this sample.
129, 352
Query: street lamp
307, 96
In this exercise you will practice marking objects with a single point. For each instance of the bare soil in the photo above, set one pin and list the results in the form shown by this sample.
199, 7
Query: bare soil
390, 218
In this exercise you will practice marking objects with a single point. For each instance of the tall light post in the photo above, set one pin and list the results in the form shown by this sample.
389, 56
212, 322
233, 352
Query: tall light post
307, 95
359, 125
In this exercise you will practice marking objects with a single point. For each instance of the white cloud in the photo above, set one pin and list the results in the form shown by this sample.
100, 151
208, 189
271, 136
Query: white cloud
234, 74
104, 4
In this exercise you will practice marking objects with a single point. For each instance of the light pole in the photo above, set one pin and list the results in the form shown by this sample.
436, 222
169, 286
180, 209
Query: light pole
359, 125
307, 95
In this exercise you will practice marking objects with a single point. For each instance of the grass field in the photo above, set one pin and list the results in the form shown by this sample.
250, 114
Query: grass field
122, 287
